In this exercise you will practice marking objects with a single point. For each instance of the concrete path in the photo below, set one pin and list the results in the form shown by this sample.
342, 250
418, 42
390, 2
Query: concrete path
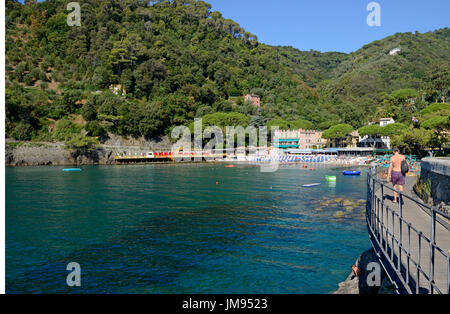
420, 220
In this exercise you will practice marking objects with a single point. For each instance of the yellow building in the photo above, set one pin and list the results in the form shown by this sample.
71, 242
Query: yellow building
351, 141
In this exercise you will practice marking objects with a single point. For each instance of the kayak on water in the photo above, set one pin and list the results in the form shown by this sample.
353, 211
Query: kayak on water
351, 173
71, 169
310, 185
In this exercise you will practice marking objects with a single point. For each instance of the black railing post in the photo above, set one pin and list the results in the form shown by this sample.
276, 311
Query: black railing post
432, 244
400, 219
382, 207
408, 254
393, 237
419, 254
448, 274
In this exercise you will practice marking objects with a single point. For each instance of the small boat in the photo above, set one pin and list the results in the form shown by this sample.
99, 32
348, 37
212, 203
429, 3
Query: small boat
230, 166
351, 173
71, 169
331, 178
311, 185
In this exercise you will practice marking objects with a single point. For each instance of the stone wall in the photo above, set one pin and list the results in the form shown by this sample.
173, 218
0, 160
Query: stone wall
437, 170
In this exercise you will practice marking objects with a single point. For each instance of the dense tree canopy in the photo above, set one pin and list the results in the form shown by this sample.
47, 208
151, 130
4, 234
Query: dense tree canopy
173, 61
338, 131
370, 130
392, 129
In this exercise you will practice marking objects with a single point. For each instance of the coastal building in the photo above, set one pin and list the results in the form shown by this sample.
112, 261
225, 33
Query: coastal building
355, 152
287, 139
254, 99
299, 139
332, 152
320, 142
351, 141
379, 142
386, 140
311, 139
307, 139
386, 121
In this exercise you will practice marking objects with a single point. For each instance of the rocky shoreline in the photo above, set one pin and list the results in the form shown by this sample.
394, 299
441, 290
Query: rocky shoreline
358, 284
54, 155
57, 154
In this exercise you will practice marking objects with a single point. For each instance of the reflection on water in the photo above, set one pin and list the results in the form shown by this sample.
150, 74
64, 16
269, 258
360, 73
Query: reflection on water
172, 229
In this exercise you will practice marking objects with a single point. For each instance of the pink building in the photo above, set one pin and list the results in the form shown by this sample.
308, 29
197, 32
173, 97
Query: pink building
255, 99
299, 139
309, 139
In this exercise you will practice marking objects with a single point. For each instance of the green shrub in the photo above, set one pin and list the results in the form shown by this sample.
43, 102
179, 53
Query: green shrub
94, 128
22, 132
43, 85
65, 130
80, 141
28, 79
88, 111
435, 108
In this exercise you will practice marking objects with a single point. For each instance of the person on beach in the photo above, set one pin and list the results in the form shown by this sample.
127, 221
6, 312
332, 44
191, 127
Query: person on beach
395, 174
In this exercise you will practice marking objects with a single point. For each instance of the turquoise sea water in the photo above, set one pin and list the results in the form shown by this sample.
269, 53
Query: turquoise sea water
172, 229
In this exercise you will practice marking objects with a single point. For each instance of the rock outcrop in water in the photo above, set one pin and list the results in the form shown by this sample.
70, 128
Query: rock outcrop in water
341, 208
358, 284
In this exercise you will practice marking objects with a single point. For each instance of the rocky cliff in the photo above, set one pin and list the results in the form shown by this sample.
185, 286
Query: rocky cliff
56, 154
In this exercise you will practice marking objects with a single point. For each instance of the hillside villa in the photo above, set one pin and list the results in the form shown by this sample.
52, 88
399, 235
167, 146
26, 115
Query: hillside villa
254, 99
379, 142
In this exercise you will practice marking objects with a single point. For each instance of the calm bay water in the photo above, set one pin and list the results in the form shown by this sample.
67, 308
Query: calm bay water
171, 229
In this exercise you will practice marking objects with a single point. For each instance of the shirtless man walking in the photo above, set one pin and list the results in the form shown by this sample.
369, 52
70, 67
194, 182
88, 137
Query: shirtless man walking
395, 172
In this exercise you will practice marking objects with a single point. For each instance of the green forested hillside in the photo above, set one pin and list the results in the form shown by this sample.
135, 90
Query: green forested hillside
312, 66
177, 60
369, 78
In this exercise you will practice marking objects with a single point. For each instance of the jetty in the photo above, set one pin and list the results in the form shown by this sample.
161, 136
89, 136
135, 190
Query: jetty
410, 238
169, 157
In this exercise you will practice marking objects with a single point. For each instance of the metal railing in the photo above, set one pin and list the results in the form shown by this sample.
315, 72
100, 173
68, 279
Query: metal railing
407, 254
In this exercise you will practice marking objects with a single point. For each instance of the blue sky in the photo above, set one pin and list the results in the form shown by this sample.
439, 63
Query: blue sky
331, 25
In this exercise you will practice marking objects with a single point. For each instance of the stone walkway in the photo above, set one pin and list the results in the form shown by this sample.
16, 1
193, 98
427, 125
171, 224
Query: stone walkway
417, 216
